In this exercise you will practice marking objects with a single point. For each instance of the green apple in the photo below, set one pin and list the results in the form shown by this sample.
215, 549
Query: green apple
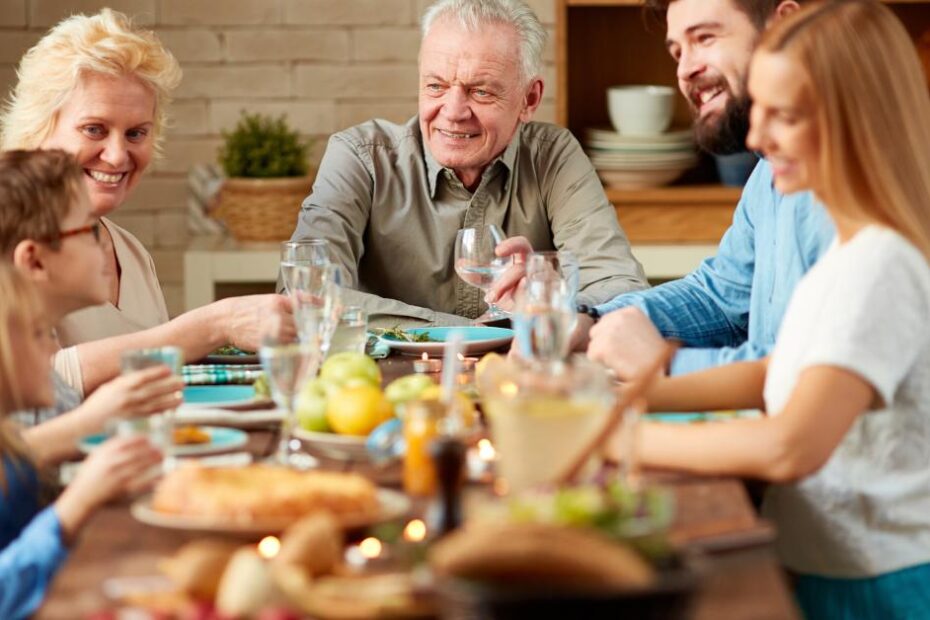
407, 388
341, 367
311, 406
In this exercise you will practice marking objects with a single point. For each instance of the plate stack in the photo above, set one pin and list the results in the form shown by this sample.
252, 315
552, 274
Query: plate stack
638, 162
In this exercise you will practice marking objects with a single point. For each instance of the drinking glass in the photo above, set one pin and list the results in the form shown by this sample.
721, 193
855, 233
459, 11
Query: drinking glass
351, 331
305, 252
478, 265
288, 367
561, 264
543, 320
541, 419
317, 306
160, 431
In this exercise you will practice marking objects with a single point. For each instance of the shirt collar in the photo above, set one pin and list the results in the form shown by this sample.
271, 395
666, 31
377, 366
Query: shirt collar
508, 159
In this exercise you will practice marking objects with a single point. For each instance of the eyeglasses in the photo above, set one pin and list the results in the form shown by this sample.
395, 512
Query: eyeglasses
93, 229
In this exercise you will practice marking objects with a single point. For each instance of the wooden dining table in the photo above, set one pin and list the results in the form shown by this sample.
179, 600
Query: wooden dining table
740, 576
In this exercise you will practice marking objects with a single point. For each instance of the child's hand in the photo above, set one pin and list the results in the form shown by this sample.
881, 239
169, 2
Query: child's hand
118, 466
136, 394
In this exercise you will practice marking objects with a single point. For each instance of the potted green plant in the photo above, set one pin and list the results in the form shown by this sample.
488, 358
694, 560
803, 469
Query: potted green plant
267, 178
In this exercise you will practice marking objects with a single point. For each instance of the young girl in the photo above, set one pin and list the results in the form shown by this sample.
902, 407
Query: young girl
34, 541
840, 107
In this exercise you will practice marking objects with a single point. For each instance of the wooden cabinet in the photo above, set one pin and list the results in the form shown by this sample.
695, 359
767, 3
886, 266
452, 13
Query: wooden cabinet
603, 43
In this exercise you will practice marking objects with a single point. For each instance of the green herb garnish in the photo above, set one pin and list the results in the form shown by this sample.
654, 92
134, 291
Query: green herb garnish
396, 333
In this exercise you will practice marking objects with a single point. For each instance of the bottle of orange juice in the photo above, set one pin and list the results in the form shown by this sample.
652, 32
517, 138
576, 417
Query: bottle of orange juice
421, 422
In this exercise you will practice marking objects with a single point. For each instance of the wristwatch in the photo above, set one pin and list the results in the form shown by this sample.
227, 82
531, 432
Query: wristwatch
591, 311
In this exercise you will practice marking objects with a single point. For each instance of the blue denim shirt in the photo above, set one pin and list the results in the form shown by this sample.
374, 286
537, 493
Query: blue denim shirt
730, 308
32, 546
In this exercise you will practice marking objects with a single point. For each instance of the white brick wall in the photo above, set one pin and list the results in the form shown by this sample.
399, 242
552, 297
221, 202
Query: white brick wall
327, 64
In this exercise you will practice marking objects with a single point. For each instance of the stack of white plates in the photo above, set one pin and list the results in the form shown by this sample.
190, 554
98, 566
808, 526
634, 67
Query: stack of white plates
637, 162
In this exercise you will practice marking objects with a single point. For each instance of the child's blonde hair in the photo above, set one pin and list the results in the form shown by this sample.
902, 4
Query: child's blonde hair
20, 311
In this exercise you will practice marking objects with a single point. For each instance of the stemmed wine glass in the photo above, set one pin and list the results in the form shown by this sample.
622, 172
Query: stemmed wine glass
316, 298
478, 265
288, 366
306, 252
554, 264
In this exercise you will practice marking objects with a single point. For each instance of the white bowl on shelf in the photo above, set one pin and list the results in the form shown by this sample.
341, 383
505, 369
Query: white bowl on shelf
639, 179
641, 110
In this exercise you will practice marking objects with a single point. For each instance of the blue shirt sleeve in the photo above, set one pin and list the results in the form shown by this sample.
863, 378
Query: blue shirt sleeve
28, 564
708, 310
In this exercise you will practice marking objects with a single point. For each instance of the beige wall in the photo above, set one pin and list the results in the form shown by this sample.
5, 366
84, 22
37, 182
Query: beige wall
328, 64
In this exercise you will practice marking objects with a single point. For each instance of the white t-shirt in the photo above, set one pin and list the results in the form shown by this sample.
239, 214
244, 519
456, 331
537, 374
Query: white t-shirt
863, 307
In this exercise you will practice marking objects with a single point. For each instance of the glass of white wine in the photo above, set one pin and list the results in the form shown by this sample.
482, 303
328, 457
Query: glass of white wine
477, 264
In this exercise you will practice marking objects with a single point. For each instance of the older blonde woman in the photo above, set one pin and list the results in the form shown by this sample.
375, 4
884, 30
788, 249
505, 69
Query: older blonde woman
99, 87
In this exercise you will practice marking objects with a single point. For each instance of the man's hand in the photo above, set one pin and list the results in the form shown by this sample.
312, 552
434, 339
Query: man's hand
625, 340
504, 291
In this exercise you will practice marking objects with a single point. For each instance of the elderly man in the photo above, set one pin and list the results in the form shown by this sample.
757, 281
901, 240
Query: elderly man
730, 308
390, 198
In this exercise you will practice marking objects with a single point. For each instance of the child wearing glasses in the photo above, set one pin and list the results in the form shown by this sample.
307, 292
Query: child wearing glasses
48, 232
34, 540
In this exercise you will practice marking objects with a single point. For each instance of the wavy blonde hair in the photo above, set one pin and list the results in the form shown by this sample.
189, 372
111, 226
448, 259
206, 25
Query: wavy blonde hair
20, 311
107, 43
873, 111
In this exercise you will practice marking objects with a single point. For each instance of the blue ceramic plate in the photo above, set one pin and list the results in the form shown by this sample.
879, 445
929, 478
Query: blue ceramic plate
477, 339
220, 396
221, 440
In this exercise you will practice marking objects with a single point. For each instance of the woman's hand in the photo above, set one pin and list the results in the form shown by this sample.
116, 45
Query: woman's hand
118, 466
251, 319
133, 395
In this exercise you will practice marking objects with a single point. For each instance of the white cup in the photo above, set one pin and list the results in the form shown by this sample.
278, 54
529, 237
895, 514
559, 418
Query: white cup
641, 110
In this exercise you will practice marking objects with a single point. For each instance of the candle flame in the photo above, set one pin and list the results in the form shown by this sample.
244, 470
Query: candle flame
424, 357
486, 451
370, 548
268, 547
415, 531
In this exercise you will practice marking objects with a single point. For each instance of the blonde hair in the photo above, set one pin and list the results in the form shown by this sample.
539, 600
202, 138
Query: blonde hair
20, 310
873, 111
106, 43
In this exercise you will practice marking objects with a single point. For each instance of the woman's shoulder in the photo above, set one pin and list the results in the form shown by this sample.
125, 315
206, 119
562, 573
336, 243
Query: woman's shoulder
129, 250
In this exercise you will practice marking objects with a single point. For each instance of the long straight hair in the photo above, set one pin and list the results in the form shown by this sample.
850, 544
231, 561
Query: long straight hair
873, 111
20, 311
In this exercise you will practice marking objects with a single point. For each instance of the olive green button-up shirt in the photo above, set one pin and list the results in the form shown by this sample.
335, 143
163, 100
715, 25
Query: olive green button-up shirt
391, 213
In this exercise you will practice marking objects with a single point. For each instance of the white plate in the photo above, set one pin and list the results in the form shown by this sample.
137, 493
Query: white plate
392, 505
333, 445
613, 137
221, 440
476, 339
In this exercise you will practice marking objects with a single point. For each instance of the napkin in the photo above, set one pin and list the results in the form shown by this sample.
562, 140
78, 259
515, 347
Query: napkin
219, 374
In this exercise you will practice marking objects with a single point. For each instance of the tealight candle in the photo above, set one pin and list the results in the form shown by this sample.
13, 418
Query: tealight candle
467, 363
425, 364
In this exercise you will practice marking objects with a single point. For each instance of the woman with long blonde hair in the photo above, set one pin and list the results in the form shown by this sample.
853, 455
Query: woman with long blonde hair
840, 107
34, 540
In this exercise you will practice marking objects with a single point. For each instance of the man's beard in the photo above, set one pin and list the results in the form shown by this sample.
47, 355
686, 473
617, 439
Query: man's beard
726, 133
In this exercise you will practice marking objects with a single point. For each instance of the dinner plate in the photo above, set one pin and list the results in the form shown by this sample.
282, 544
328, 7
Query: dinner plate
230, 396
221, 440
476, 339
392, 505
333, 445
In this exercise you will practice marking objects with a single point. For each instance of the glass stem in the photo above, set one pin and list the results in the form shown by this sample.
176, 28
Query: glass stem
284, 444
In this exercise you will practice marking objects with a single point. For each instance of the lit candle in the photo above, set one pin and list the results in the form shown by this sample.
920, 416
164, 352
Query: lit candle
425, 364
486, 450
415, 531
468, 363
369, 550
268, 547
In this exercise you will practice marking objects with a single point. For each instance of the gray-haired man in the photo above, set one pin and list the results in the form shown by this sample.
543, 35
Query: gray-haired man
390, 198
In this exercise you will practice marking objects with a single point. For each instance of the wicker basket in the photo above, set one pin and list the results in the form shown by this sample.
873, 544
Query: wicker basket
262, 209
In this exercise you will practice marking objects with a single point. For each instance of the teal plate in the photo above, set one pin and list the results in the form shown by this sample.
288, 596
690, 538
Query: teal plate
221, 440
475, 340
218, 396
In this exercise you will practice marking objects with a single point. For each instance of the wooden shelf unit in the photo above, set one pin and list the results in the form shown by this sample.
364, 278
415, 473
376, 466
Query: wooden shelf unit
602, 43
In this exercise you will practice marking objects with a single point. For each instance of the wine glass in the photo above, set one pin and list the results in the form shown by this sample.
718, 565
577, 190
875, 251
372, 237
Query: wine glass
159, 427
560, 264
288, 366
478, 265
543, 321
305, 252
316, 298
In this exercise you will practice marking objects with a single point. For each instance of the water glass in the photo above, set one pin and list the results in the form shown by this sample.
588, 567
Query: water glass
316, 300
160, 431
543, 321
351, 331
305, 252
477, 264
288, 367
